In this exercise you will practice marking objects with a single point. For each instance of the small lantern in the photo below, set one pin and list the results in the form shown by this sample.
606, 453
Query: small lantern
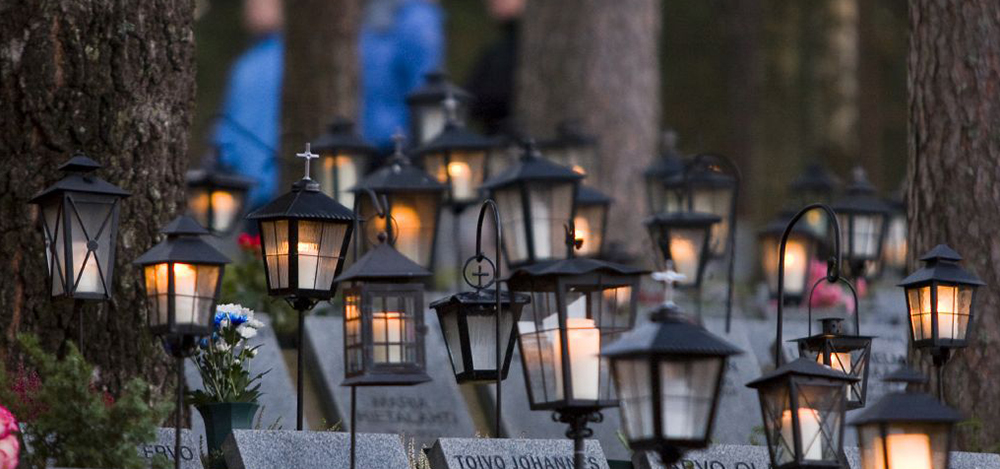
384, 320
663, 197
427, 114
573, 148
712, 189
814, 184
840, 351
344, 160
803, 405
216, 197
939, 298
591, 221
304, 238
537, 201
80, 220
413, 205
906, 431
576, 305
183, 277
863, 217
683, 237
468, 324
457, 157
668, 374
800, 252
895, 249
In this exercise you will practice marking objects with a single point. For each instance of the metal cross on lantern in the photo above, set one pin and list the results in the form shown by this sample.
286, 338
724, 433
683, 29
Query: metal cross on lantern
308, 156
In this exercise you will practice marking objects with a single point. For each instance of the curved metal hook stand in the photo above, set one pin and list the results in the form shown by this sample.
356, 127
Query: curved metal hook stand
832, 271
854, 294
489, 203
380, 212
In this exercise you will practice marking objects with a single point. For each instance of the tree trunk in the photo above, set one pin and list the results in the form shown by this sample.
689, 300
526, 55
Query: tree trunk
321, 78
953, 174
743, 26
115, 80
599, 64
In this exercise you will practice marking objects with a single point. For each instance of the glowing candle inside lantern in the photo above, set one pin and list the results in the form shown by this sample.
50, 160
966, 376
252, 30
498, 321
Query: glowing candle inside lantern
809, 432
581, 229
308, 261
541, 226
461, 180
684, 253
795, 266
185, 277
432, 122
579, 169
90, 280
946, 312
584, 341
840, 361
223, 210
388, 332
339, 175
408, 237
906, 451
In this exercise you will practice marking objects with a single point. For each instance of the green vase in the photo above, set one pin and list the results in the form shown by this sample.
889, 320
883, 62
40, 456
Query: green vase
220, 420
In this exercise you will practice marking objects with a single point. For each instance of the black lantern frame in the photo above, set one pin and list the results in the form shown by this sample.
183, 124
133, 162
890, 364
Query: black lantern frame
427, 114
841, 351
694, 229
344, 160
803, 243
210, 189
590, 224
814, 184
895, 246
663, 197
573, 148
713, 184
864, 217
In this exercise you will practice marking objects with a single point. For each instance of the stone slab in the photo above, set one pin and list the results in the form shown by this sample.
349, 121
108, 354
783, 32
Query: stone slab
284, 449
503, 453
164, 444
423, 412
756, 457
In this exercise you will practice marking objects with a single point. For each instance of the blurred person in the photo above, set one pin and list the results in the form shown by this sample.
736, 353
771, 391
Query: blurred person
492, 79
401, 41
247, 131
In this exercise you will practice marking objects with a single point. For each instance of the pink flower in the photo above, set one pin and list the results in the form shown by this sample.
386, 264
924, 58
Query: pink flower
249, 243
10, 446
827, 294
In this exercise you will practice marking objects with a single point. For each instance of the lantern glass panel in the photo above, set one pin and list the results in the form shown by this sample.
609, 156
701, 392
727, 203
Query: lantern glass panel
413, 220
54, 251
846, 354
430, 118
339, 173
551, 208
954, 304
687, 389
588, 226
663, 199
453, 337
198, 204
393, 329
318, 253
514, 228
807, 428
353, 342
904, 446
157, 293
91, 219
463, 171
719, 202
634, 385
895, 243
798, 256
863, 233
193, 295
685, 248
482, 336
274, 236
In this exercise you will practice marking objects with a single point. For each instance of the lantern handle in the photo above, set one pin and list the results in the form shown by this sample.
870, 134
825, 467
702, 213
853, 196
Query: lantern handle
854, 294
833, 264
379, 212
489, 203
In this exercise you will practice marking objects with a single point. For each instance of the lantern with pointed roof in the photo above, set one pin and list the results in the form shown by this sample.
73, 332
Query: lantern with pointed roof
840, 350
800, 252
590, 223
573, 148
906, 430
412, 207
683, 238
814, 184
183, 278
664, 188
895, 248
712, 182
216, 196
427, 114
344, 160
304, 238
939, 298
384, 319
863, 218
668, 374
80, 221
537, 201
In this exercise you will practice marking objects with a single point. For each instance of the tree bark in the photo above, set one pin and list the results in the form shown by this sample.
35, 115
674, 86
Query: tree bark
321, 79
743, 26
115, 80
953, 174
600, 64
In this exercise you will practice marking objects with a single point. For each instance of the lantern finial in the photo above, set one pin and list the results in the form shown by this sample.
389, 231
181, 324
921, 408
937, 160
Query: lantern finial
308, 155
450, 107
668, 277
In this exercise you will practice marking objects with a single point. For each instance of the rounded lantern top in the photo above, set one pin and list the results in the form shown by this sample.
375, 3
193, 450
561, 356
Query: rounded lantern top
78, 179
532, 167
217, 176
907, 407
861, 197
671, 162
455, 136
183, 244
669, 332
399, 174
435, 88
383, 264
801, 367
340, 136
941, 264
814, 178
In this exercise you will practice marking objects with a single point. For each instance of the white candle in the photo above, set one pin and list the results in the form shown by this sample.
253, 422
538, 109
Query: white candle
184, 293
461, 180
581, 229
584, 341
432, 123
809, 432
906, 451
840, 361
387, 329
223, 210
90, 281
795, 266
680, 417
347, 177
541, 225
685, 254
408, 238
308, 260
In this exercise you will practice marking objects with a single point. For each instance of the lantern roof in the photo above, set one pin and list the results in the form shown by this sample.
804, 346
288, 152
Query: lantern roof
670, 162
905, 374
815, 177
218, 176
340, 136
436, 86
532, 167
683, 219
706, 174
587, 195
455, 136
669, 332
776, 227
384, 263
485, 297
574, 266
569, 133
78, 179
904, 407
800, 367
399, 174
941, 264
183, 244
861, 197
832, 328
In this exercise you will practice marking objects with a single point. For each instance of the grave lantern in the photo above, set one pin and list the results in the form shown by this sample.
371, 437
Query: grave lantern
537, 201
412, 207
427, 114
814, 184
800, 253
591, 221
669, 166
384, 319
712, 185
668, 374
573, 148
216, 197
849, 353
344, 160
939, 298
863, 217
895, 249
682, 237
80, 221
468, 324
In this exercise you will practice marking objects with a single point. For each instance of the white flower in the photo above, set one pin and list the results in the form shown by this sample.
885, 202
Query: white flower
253, 352
222, 346
255, 324
246, 332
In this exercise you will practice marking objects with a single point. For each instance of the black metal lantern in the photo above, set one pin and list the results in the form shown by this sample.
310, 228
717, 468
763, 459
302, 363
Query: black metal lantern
668, 374
863, 218
841, 351
537, 200
800, 252
906, 430
712, 187
384, 320
80, 220
939, 298
427, 114
468, 324
590, 223
344, 160
682, 237
412, 207
664, 196
216, 197
573, 148
814, 184
457, 157
895, 248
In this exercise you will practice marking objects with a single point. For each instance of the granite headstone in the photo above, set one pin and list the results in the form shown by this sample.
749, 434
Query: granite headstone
164, 444
423, 412
284, 449
738, 413
756, 457
503, 453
